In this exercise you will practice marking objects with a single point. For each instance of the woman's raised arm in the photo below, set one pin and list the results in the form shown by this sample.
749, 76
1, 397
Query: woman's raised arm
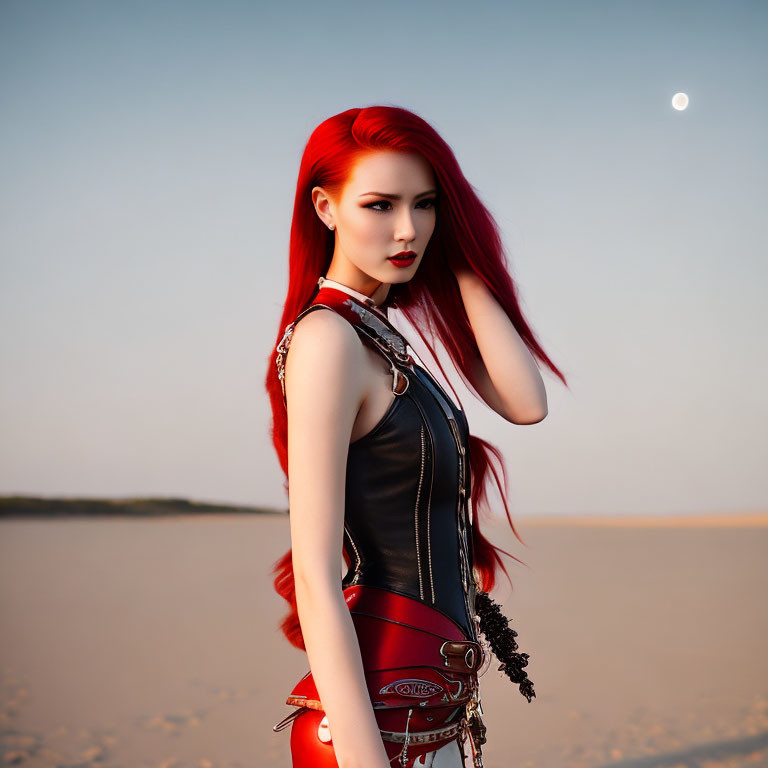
506, 375
325, 380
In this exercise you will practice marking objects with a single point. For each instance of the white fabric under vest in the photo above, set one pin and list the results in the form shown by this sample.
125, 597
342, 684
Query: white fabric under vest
445, 757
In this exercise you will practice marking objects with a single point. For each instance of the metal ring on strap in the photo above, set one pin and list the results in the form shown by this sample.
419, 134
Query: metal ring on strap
398, 377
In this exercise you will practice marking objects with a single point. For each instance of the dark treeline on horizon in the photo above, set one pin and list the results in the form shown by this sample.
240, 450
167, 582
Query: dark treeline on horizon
38, 506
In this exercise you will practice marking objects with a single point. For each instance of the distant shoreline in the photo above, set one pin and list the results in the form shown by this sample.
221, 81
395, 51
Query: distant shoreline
33, 507
39, 506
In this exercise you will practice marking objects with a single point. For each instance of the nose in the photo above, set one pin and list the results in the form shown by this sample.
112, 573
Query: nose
406, 231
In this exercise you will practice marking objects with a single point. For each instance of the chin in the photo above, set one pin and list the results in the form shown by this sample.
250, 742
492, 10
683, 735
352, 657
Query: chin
401, 274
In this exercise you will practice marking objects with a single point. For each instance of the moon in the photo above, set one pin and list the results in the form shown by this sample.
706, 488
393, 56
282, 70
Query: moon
680, 101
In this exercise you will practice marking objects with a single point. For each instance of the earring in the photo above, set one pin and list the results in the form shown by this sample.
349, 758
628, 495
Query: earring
331, 226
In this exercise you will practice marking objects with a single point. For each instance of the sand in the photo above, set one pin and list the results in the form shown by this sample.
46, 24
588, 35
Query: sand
154, 642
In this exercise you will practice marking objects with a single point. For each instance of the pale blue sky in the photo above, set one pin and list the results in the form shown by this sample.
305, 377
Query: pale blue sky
149, 154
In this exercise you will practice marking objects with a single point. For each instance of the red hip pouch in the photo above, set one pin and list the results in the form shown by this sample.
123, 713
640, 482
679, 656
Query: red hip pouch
420, 670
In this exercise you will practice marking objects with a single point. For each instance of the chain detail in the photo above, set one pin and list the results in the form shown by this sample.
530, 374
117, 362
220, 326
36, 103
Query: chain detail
282, 351
404, 754
358, 559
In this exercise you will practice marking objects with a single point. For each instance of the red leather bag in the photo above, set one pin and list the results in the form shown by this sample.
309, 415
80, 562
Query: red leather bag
420, 670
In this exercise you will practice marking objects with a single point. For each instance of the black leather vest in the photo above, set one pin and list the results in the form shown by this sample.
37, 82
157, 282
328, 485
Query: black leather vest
406, 523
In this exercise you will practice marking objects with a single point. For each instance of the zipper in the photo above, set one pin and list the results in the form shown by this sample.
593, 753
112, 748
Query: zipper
470, 588
424, 432
467, 575
429, 531
416, 514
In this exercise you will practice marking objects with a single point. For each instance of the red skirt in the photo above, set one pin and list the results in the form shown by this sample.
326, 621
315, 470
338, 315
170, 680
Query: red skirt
421, 672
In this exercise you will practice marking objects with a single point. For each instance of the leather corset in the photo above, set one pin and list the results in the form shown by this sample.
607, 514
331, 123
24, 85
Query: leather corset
406, 524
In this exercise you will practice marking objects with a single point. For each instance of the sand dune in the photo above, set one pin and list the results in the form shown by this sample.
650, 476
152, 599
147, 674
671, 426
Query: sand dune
154, 642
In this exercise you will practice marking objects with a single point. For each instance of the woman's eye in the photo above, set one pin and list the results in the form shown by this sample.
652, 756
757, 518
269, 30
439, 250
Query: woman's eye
379, 202
427, 204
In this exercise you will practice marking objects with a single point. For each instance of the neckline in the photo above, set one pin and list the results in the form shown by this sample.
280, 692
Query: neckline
361, 297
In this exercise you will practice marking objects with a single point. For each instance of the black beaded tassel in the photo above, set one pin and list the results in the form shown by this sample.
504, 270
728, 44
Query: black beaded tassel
501, 637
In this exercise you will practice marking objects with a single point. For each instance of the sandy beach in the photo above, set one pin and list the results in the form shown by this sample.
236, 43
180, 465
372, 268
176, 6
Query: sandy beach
154, 642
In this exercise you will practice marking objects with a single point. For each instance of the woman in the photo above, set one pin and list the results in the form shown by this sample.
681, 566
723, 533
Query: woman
383, 471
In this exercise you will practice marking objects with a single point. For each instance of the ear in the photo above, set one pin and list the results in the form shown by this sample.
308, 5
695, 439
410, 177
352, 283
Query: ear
323, 206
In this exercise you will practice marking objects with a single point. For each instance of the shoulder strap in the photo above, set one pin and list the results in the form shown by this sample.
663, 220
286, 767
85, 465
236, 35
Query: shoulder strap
370, 326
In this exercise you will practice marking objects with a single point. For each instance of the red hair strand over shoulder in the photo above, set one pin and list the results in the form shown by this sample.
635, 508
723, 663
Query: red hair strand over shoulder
465, 236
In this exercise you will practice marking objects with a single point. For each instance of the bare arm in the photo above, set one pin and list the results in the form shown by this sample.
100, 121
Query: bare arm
506, 373
325, 384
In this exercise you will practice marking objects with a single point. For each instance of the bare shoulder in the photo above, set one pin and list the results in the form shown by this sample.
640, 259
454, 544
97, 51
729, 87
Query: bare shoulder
325, 352
328, 332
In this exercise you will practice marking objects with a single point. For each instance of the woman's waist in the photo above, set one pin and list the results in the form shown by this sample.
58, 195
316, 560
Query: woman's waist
400, 604
411, 653
431, 593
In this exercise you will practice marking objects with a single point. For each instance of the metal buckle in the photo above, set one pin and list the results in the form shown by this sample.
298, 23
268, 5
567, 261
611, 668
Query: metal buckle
398, 377
450, 650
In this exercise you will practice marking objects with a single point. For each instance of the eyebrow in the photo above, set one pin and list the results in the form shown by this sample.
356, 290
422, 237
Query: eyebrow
398, 197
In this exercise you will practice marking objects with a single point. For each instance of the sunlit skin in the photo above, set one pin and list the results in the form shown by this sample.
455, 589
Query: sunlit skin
387, 206
338, 388
370, 227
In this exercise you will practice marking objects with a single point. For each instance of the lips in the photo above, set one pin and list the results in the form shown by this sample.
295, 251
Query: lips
403, 259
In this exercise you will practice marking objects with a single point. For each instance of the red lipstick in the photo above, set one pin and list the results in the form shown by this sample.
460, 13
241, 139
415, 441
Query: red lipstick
403, 259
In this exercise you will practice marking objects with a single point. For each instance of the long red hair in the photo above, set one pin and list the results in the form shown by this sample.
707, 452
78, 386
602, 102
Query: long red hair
465, 235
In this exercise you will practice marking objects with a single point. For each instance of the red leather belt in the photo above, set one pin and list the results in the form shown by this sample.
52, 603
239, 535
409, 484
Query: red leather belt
420, 670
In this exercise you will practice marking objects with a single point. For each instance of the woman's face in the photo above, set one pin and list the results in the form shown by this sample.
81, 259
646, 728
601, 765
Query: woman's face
386, 207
